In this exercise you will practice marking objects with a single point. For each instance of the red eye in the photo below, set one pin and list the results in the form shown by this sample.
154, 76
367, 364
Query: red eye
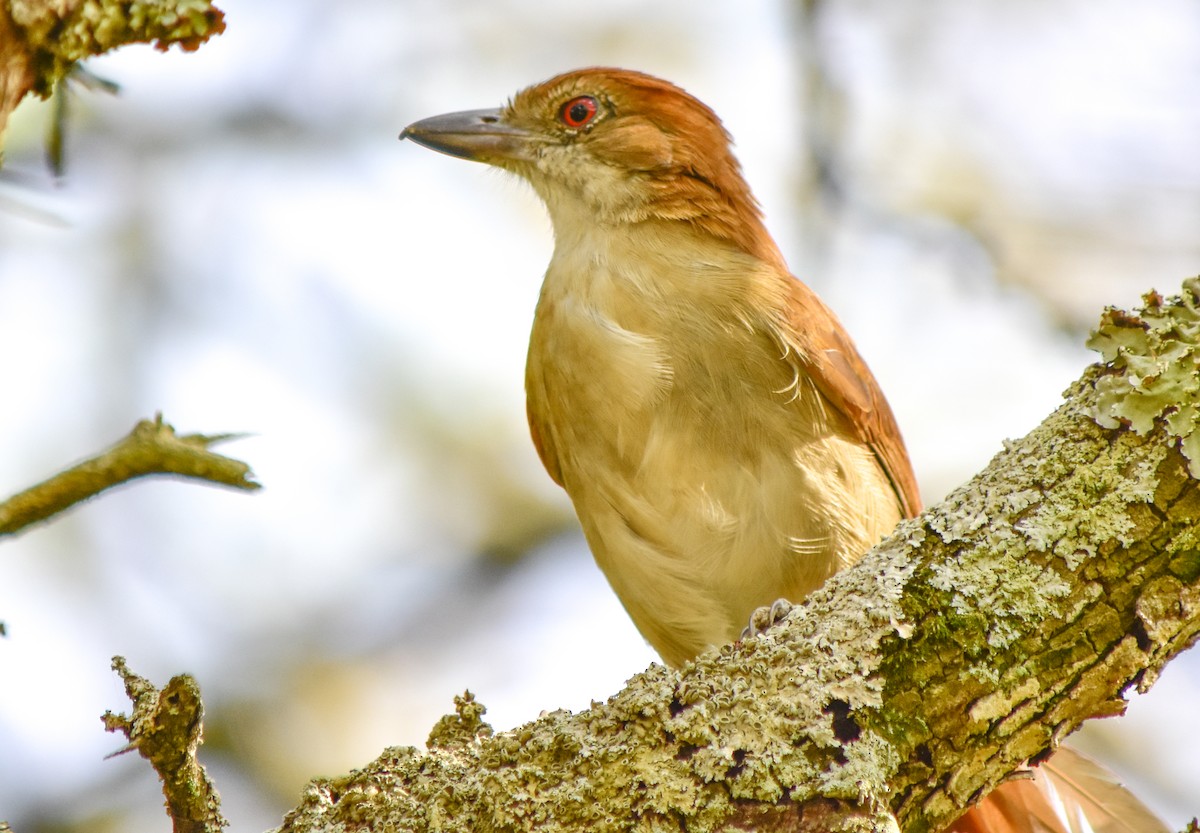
579, 111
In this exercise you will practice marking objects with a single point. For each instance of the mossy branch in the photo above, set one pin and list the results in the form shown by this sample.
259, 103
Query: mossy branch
41, 40
166, 728
967, 645
151, 448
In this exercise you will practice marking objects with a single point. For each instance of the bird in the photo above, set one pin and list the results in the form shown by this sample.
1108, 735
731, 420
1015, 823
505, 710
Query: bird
723, 442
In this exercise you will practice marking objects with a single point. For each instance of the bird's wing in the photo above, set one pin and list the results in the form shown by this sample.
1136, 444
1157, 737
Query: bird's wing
1069, 793
824, 352
539, 429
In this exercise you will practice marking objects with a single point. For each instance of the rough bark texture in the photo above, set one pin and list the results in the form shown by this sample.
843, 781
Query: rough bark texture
41, 40
166, 726
971, 641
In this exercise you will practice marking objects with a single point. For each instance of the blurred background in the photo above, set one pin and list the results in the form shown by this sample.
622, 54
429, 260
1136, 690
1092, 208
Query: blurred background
241, 242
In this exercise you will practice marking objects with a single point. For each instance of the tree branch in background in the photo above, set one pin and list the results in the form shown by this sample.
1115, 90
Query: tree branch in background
166, 727
41, 40
151, 448
962, 648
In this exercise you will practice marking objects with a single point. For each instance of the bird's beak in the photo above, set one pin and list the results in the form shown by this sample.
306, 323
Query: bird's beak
479, 135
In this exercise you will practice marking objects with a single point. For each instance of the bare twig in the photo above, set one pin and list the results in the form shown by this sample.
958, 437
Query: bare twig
151, 448
166, 728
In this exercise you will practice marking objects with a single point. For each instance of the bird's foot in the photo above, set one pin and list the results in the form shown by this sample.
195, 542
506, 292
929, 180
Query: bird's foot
764, 618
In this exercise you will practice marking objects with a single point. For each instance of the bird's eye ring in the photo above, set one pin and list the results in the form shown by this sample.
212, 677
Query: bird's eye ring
579, 111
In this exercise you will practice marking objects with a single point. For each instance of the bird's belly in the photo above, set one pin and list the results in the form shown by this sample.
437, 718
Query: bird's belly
702, 497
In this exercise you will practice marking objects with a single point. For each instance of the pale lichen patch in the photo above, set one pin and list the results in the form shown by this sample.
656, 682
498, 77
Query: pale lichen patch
1007, 591
859, 777
1154, 359
814, 741
1069, 522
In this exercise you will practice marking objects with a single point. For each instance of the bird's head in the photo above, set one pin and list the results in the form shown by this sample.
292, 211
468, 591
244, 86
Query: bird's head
612, 147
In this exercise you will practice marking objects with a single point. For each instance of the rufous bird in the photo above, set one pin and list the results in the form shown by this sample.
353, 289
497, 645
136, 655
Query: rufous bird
719, 435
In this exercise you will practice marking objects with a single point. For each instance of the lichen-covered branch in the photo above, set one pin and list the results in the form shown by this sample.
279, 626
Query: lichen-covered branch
166, 728
151, 448
40, 40
970, 642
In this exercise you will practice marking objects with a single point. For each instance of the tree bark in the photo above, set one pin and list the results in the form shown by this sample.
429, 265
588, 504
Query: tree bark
970, 642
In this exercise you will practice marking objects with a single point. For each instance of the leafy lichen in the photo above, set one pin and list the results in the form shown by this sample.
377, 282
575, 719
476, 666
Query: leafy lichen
1153, 358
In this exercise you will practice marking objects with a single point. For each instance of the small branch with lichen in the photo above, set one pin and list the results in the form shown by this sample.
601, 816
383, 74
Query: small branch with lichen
151, 448
166, 728
41, 40
961, 650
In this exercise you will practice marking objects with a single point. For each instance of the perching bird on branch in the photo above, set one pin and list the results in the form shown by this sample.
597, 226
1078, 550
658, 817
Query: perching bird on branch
722, 440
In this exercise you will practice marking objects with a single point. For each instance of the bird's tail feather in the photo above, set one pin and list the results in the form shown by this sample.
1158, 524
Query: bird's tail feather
1070, 793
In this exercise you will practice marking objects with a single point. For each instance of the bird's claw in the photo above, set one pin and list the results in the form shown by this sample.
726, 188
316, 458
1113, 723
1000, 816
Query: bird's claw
764, 618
